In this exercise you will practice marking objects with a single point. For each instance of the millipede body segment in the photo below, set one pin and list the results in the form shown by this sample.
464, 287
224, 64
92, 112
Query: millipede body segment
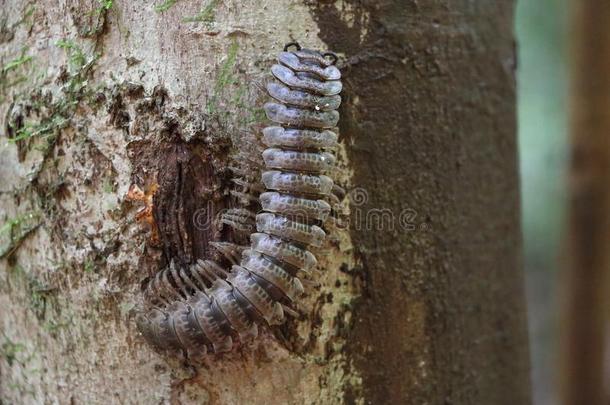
206, 306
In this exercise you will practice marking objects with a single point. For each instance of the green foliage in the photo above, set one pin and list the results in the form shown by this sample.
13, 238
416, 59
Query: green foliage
206, 15
29, 11
10, 350
166, 5
15, 353
109, 186
11, 73
62, 109
48, 116
15, 63
44, 128
11, 224
89, 266
75, 53
94, 23
106, 4
17, 229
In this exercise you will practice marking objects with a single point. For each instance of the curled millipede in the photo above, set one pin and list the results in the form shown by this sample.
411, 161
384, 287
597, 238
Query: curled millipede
205, 306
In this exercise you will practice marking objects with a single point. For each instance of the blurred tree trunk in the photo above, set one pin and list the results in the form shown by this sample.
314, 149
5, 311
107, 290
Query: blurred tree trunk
585, 380
421, 299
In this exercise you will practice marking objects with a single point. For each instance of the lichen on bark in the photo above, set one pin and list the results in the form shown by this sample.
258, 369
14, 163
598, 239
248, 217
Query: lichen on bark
109, 103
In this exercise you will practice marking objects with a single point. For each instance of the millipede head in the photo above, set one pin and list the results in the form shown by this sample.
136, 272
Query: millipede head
291, 44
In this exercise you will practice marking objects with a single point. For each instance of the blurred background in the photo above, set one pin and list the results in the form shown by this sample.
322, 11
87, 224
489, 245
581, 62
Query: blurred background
564, 110
541, 28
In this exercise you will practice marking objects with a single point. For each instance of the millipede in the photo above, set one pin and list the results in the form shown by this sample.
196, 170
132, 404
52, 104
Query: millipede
206, 306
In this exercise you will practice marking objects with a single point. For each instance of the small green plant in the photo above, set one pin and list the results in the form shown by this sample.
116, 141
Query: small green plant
63, 109
76, 55
15, 63
206, 15
12, 225
10, 350
108, 186
17, 229
51, 116
12, 73
45, 128
28, 11
166, 5
89, 266
105, 5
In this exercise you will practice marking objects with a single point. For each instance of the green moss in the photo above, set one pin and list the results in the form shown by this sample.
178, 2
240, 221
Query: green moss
41, 129
226, 71
10, 350
76, 55
254, 115
105, 5
89, 266
166, 5
15, 63
28, 11
40, 116
38, 294
206, 15
225, 77
91, 24
17, 229
61, 111
109, 186
12, 72
52, 326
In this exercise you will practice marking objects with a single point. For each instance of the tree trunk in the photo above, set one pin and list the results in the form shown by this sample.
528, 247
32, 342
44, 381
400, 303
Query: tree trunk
585, 379
420, 299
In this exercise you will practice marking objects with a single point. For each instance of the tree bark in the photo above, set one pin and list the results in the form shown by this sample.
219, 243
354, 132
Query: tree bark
585, 340
420, 298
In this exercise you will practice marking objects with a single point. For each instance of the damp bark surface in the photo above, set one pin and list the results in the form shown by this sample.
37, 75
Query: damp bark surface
118, 123
430, 120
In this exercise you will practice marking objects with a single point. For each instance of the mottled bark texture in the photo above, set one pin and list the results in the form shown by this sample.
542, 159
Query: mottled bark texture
585, 371
420, 298
430, 124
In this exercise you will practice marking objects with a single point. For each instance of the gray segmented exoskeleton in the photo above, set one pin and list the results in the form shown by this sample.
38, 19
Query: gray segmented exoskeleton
202, 308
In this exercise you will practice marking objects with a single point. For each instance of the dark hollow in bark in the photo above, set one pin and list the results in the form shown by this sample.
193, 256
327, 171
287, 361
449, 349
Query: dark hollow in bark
187, 204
